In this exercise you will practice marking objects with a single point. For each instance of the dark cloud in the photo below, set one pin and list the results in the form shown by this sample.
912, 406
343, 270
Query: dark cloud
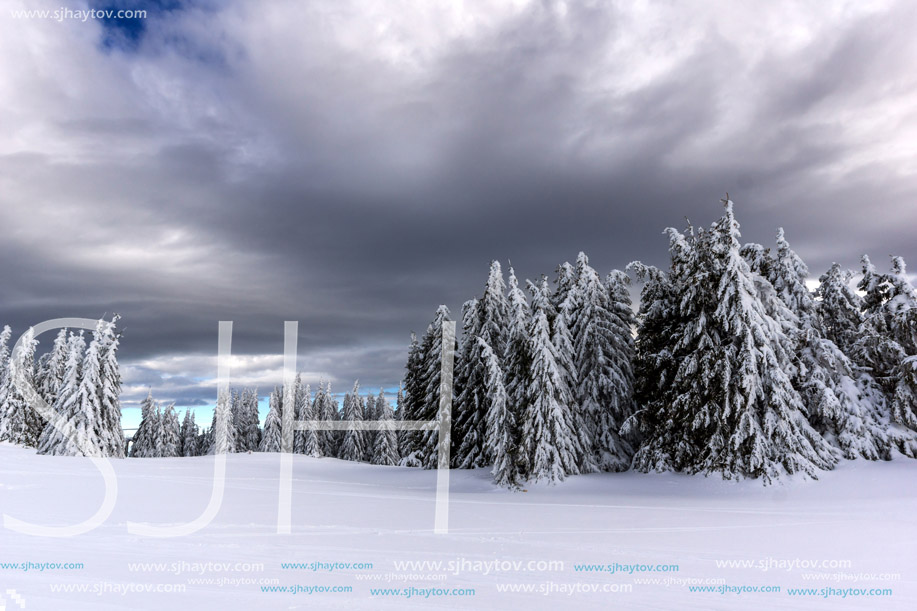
353, 167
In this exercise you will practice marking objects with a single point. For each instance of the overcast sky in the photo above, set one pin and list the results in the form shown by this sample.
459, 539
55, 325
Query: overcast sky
352, 165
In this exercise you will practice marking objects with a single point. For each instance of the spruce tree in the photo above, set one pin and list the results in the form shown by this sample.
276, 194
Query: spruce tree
141, 444
564, 297
223, 430
4, 374
841, 313
501, 434
21, 423
303, 412
839, 308
353, 446
63, 436
250, 398
516, 366
565, 309
623, 349
484, 318
204, 441
727, 405
552, 447
369, 437
399, 400
158, 434
424, 449
52, 370
654, 364
246, 420
325, 408
239, 420
469, 448
170, 435
410, 406
887, 338
109, 431
189, 435
840, 399
90, 389
273, 424
311, 443
385, 445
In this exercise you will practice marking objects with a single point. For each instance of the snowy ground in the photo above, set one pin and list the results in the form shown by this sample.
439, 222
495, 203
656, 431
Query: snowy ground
860, 519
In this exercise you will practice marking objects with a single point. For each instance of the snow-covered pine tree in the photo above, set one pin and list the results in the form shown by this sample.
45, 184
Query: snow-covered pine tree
385, 445
552, 447
325, 408
654, 364
494, 311
600, 320
516, 366
189, 435
246, 419
53, 368
887, 338
873, 347
273, 423
91, 391
361, 411
425, 449
170, 435
369, 437
239, 420
399, 402
302, 411
501, 433
840, 399
623, 347
372, 409
901, 306
485, 318
142, 442
311, 444
410, 407
353, 446
158, 433
563, 298
223, 429
564, 310
730, 407
469, 447
250, 397
21, 423
4, 373
660, 321
54, 439
562, 341
109, 431
204, 441
839, 308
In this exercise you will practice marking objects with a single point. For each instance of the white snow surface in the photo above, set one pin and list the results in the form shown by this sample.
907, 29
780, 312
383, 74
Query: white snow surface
863, 514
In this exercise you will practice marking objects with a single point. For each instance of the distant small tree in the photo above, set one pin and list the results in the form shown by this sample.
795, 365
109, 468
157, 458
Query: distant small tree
273, 423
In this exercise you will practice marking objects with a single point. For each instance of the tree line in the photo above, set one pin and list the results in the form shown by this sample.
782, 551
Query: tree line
161, 435
731, 365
